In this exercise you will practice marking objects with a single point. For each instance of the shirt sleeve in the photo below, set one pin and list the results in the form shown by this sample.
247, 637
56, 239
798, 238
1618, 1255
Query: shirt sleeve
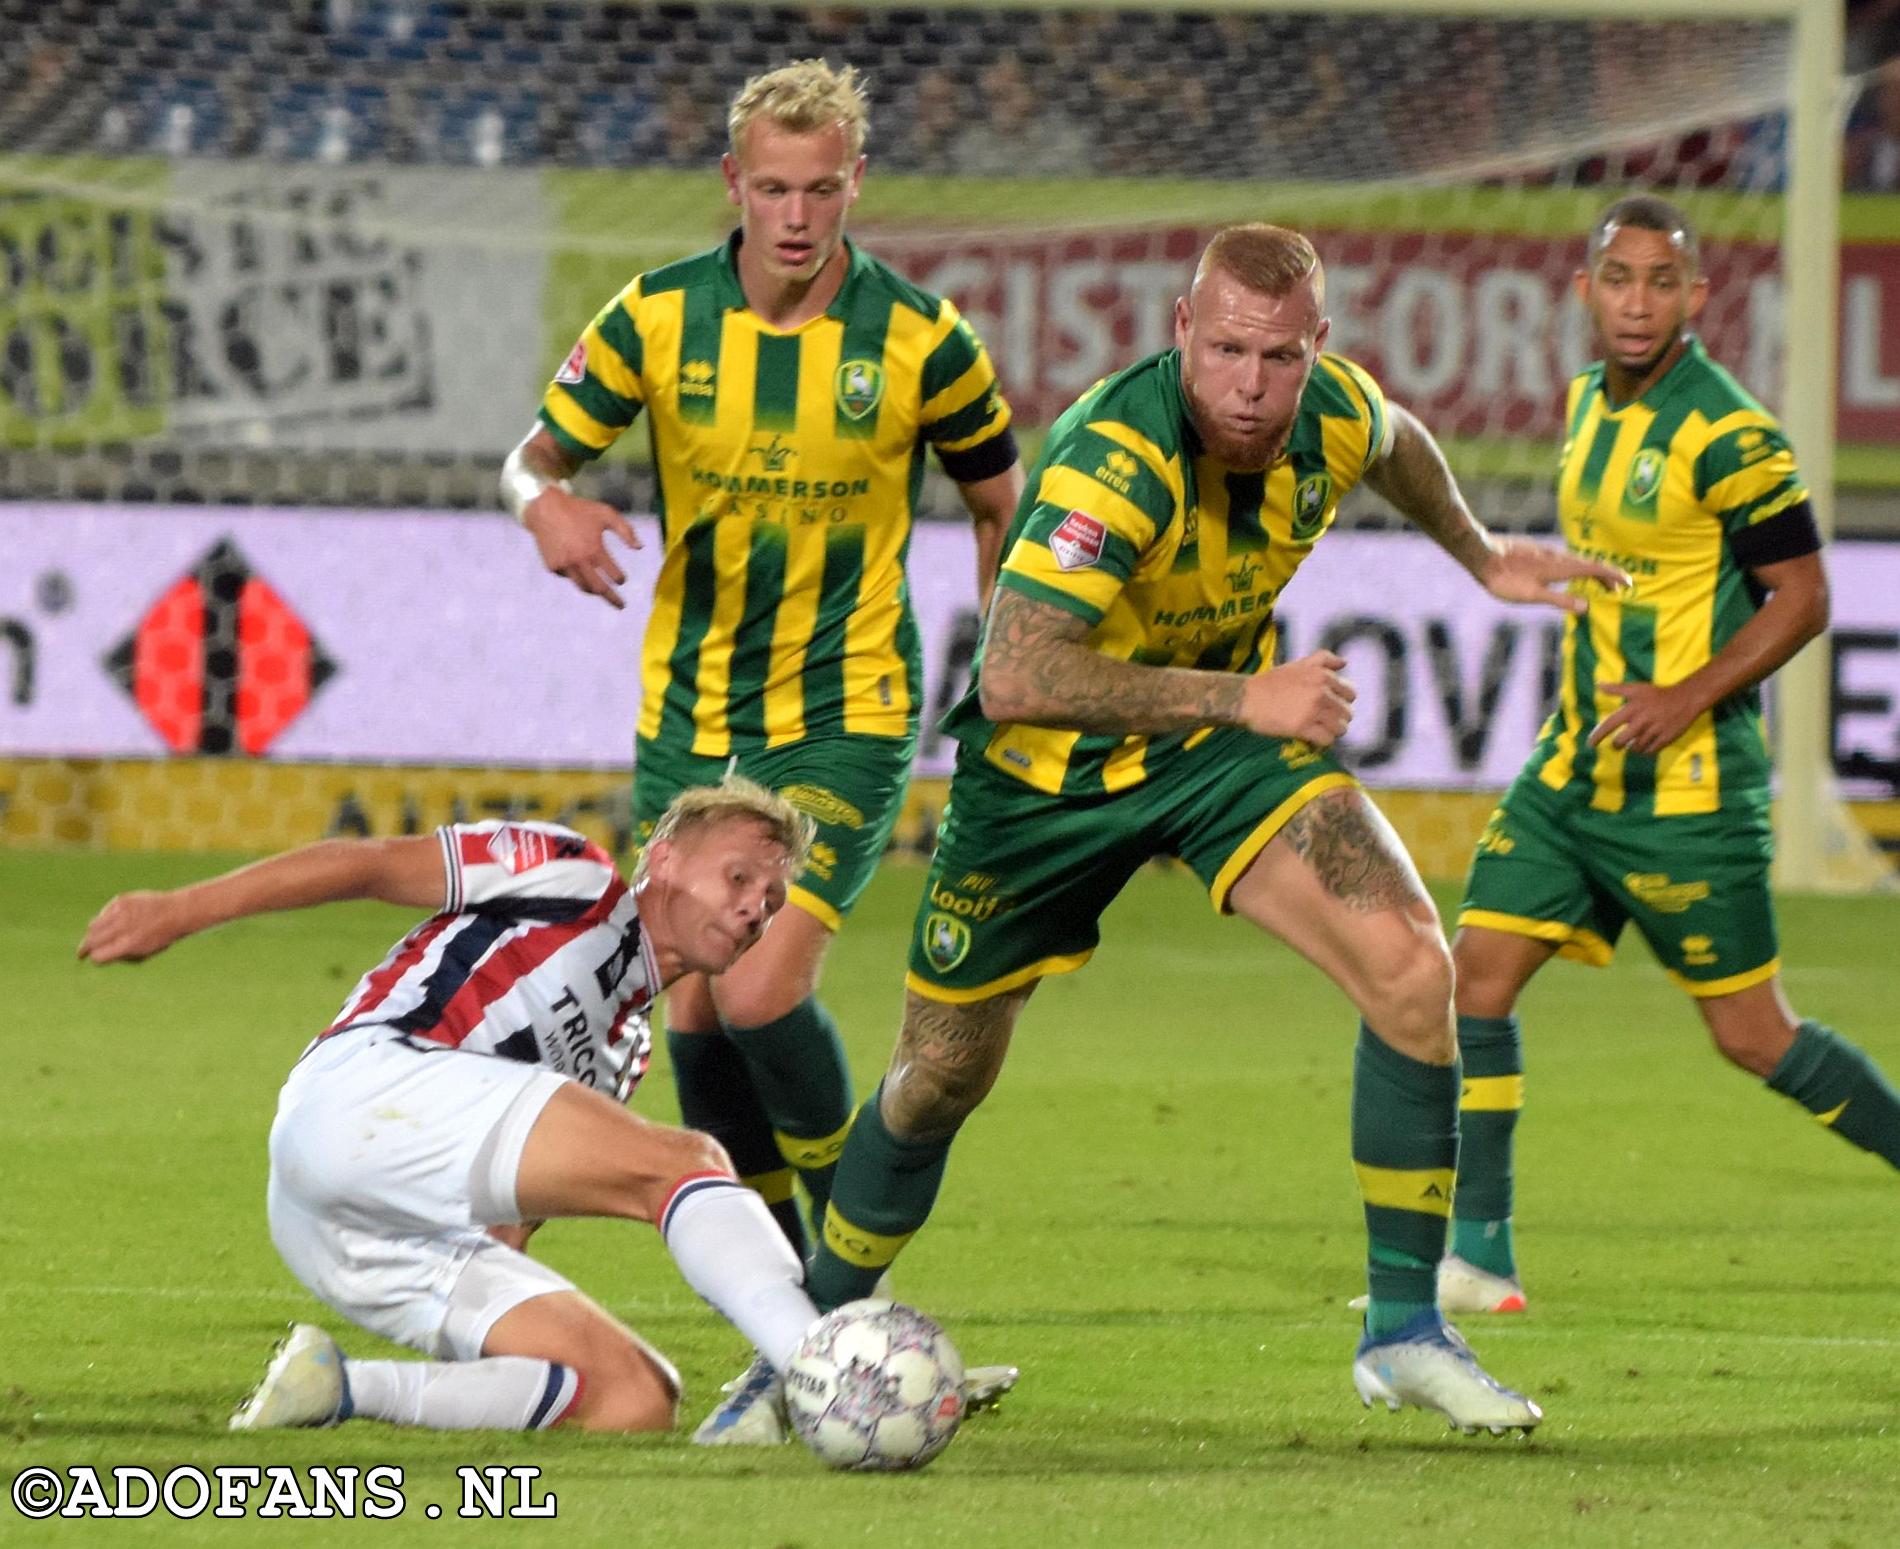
597, 393
1746, 474
537, 869
964, 415
1366, 436
1097, 507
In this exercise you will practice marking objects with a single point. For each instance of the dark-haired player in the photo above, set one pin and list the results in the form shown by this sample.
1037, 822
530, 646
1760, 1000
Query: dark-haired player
1646, 799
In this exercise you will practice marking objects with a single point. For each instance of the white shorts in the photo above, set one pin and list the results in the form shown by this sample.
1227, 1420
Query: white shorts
388, 1159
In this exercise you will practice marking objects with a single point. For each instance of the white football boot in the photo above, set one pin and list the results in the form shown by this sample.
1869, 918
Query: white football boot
303, 1385
1463, 1288
1428, 1364
984, 1387
752, 1414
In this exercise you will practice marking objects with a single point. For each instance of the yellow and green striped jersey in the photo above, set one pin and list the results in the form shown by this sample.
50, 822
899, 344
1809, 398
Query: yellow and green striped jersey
1686, 488
1173, 558
789, 466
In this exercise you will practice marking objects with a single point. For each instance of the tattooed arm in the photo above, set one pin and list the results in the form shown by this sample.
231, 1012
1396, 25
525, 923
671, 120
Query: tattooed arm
1039, 669
1415, 477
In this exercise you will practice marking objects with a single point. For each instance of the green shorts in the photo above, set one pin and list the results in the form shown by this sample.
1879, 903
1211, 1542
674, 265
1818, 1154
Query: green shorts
1550, 866
1020, 878
851, 786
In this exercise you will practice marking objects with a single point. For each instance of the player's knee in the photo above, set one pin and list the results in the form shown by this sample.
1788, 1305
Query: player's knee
1756, 1048
653, 1166
691, 1152
1484, 984
703, 1154
1415, 969
748, 1005
1409, 990
623, 1388
1752, 1028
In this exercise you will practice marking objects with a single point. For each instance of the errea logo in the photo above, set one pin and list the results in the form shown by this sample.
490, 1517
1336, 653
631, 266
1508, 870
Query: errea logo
1117, 471
696, 379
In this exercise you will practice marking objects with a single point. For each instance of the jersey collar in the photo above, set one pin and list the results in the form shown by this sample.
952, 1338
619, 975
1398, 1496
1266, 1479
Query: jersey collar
1177, 397
732, 293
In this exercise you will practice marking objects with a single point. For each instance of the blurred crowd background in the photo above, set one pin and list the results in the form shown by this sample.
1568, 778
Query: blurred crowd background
983, 92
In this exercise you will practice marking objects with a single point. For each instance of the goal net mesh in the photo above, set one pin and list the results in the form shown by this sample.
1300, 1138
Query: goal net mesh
280, 284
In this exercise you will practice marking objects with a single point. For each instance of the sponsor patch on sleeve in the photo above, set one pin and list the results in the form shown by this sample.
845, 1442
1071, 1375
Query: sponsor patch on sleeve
517, 849
1077, 541
575, 366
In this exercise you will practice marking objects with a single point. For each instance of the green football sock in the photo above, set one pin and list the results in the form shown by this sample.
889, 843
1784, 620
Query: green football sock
1843, 1088
884, 1190
1493, 1093
799, 1070
1405, 1151
716, 1096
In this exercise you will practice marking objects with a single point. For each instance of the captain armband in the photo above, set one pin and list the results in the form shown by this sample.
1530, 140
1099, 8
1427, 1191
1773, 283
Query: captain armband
1788, 534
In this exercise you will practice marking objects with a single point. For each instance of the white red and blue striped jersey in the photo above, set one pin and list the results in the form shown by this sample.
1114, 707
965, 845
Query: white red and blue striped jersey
537, 955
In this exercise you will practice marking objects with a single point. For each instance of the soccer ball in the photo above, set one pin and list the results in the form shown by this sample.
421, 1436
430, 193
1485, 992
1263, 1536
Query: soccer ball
875, 1385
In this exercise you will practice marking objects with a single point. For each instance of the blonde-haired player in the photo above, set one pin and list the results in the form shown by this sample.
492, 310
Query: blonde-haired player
791, 383
474, 1084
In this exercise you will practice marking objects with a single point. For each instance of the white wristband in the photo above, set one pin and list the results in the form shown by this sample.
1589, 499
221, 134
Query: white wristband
521, 486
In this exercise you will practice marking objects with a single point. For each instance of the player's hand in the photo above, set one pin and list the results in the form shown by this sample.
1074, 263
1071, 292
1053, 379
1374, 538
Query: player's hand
1308, 699
571, 534
133, 927
1649, 718
1520, 570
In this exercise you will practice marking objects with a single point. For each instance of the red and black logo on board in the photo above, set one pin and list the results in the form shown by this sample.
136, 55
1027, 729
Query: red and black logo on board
220, 663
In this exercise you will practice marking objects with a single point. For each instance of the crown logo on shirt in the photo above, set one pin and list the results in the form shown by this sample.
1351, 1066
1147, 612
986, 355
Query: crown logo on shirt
775, 454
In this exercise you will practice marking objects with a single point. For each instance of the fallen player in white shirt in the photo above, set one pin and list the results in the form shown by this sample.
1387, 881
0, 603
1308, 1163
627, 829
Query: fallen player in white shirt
474, 1086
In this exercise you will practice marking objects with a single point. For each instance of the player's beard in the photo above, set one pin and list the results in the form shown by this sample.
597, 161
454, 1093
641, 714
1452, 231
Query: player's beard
1248, 452
1244, 453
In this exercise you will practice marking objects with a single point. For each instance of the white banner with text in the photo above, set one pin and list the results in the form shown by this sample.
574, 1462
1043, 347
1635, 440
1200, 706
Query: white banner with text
435, 638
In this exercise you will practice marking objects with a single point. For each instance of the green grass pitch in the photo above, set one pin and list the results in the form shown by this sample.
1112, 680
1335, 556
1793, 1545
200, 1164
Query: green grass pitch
1154, 1215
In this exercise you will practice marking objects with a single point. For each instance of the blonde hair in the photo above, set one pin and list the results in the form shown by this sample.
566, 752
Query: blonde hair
733, 799
804, 96
1269, 259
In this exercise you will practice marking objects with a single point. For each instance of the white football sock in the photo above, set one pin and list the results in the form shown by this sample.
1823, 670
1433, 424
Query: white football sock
496, 1393
731, 1251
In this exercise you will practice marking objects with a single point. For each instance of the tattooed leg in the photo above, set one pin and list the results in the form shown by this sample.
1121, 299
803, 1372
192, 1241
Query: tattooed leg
893, 1164
1336, 885
947, 1059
